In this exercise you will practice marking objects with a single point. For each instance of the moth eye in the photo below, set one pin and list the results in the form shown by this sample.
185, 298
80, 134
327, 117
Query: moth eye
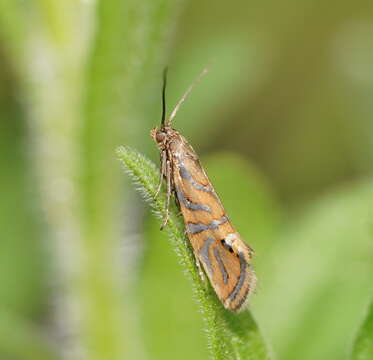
160, 136
230, 250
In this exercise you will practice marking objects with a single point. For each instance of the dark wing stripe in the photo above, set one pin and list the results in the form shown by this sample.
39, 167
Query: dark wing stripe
185, 174
204, 253
221, 265
241, 279
190, 205
244, 297
197, 228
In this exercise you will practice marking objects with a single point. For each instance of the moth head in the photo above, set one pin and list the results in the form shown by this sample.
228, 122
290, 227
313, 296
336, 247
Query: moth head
158, 135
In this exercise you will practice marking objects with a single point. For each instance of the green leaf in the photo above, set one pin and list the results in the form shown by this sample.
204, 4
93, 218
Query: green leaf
230, 336
363, 347
317, 277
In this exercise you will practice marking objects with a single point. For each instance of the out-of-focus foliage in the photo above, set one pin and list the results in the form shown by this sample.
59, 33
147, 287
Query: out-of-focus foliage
283, 124
363, 347
322, 265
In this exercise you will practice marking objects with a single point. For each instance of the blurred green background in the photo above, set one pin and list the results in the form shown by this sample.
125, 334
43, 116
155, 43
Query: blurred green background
283, 124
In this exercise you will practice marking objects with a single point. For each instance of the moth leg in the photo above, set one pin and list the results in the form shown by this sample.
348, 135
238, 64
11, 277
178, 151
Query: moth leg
169, 189
162, 172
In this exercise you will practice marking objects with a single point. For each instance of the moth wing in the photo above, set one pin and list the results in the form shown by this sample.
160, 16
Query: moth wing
226, 262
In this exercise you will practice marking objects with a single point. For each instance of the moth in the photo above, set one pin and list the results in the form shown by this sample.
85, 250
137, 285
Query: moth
224, 256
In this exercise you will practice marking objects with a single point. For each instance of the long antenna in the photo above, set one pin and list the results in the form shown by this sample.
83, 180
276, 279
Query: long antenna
183, 98
163, 120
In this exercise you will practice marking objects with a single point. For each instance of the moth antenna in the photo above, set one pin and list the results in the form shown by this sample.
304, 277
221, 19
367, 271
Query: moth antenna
163, 119
186, 94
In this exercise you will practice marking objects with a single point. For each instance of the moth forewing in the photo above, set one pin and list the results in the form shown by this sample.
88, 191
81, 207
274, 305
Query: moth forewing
225, 258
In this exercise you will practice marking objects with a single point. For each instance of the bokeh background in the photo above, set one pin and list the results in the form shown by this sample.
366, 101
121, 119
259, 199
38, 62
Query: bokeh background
283, 125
